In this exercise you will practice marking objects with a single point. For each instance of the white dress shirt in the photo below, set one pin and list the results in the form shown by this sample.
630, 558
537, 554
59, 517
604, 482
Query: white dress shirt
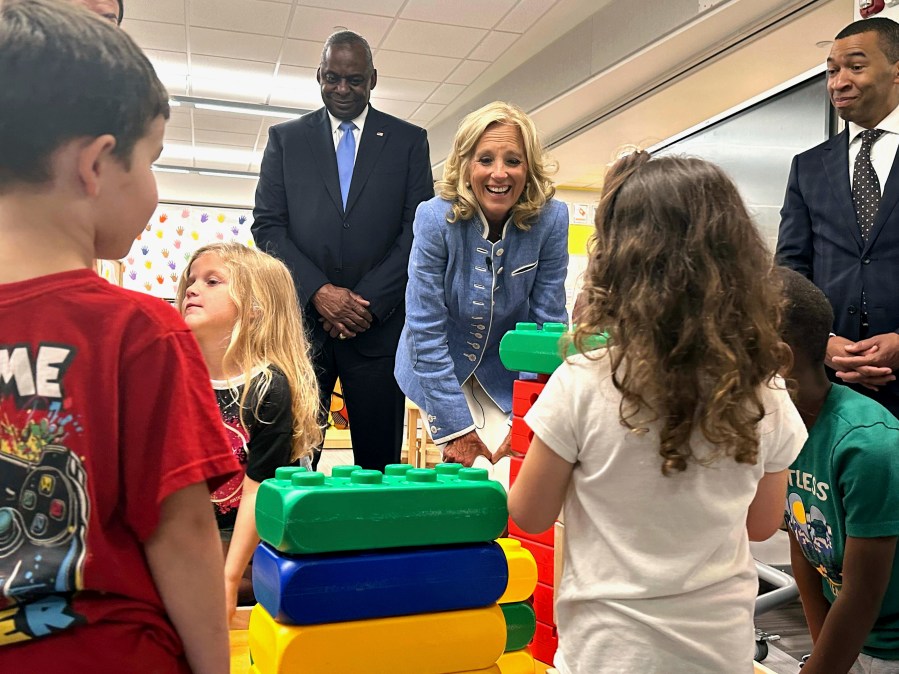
883, 152
357, 132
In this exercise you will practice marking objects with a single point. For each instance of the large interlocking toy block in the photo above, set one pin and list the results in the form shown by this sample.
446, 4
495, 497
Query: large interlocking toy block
527, 348
546, 641
517, 662
522, 571
544, 556
524, 394
430, 643
543, 603
545, 537
520, 624
521, 435
315, 589
404, 507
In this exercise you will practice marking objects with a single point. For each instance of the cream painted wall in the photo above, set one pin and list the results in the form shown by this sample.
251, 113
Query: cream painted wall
192, 188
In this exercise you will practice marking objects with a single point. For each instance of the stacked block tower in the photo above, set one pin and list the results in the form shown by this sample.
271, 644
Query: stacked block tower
529, 349
364, 572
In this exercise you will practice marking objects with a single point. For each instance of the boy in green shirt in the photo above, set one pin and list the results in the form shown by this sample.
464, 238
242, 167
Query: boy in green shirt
842, 507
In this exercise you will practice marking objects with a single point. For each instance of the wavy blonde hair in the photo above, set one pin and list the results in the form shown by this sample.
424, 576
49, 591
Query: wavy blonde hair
455, 186
268, 332
682, 280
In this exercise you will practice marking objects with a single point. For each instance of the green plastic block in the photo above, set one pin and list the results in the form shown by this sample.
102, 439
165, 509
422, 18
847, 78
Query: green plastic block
528, 348
521, 624
304, 513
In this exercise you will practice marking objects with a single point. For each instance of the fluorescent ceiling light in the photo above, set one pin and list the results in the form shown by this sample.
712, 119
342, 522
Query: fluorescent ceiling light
169, 169
261, 111
174, 104
226, 174
238, 108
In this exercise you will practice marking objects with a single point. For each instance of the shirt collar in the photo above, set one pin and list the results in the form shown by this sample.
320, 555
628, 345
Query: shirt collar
890, 124
359, 121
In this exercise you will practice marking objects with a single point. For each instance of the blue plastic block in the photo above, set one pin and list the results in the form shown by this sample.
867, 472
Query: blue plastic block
316, 589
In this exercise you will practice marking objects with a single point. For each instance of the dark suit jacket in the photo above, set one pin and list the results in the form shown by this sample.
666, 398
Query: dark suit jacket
299, 215
820, 238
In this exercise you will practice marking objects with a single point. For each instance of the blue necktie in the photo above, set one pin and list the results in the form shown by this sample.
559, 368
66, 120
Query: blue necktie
346, 157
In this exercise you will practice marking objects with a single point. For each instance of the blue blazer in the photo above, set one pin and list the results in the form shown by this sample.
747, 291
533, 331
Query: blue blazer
820, 238
464, 294
299, 215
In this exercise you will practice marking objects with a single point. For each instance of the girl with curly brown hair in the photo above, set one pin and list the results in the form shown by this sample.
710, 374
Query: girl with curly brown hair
670, 448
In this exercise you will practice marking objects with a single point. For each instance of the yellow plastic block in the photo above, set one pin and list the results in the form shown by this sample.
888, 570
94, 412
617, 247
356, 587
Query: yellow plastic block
429, 643
522, 571
517, 662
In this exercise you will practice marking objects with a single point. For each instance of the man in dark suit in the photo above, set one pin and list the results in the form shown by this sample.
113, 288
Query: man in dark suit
337, 193
840, 219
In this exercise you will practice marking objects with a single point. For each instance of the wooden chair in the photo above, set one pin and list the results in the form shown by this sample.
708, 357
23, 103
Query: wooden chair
419, 451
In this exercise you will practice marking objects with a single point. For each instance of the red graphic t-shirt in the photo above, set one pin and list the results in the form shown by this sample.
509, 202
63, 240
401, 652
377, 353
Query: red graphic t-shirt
105, 410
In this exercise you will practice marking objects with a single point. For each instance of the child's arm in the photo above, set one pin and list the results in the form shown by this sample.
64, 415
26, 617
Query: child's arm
867, 567
536, 498
814, 603
767, 508
185, 559
243, 543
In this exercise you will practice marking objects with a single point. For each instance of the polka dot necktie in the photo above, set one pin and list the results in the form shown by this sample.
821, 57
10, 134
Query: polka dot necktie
865, 185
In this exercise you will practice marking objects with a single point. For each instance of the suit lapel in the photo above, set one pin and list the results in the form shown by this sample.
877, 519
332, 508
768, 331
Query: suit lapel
374, 137
321, 142
836, 166
887, 204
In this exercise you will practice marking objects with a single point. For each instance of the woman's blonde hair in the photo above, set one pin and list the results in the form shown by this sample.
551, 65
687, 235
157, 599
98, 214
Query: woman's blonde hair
268, 332
456, 186
682, 280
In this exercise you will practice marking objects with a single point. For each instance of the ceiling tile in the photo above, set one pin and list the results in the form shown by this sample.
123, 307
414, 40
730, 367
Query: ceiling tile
179, 117
401, 109
167, 11
419, 67
295, 98
493, 46
228, 90
226, 139
226, 121
446, 93
436, 39
171, 68
217, 66
250, 16
316, 24
296, 87
467, 72
428, 111
248, 46
525, 14
155, 35
474, 13
177, 133
381, 7
302, 53
398, 89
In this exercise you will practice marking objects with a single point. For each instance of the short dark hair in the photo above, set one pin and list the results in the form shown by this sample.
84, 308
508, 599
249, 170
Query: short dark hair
76, 75
347, 38
807, 317
887, 34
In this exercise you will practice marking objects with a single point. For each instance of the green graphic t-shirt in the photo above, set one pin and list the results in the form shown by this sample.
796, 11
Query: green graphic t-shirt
845, 482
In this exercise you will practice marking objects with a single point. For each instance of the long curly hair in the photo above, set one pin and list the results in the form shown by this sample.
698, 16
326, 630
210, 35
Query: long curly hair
268, 332
681, 279
455, 187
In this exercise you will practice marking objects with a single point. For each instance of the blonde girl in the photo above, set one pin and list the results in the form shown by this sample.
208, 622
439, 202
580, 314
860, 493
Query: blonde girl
669, 449
242, 308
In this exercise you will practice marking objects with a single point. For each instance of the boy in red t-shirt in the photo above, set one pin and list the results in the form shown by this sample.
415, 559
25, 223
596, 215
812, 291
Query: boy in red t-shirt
110, 438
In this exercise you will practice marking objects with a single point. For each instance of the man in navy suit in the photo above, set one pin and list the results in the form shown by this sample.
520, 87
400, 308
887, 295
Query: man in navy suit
337, 193
840, 219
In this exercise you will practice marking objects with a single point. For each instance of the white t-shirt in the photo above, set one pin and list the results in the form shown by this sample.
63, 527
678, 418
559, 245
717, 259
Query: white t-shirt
658, 575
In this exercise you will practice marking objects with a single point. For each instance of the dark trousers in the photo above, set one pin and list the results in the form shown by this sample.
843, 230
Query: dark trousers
374, 402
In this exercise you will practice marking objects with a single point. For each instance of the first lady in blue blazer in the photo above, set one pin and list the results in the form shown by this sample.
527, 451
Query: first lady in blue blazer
490, 250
